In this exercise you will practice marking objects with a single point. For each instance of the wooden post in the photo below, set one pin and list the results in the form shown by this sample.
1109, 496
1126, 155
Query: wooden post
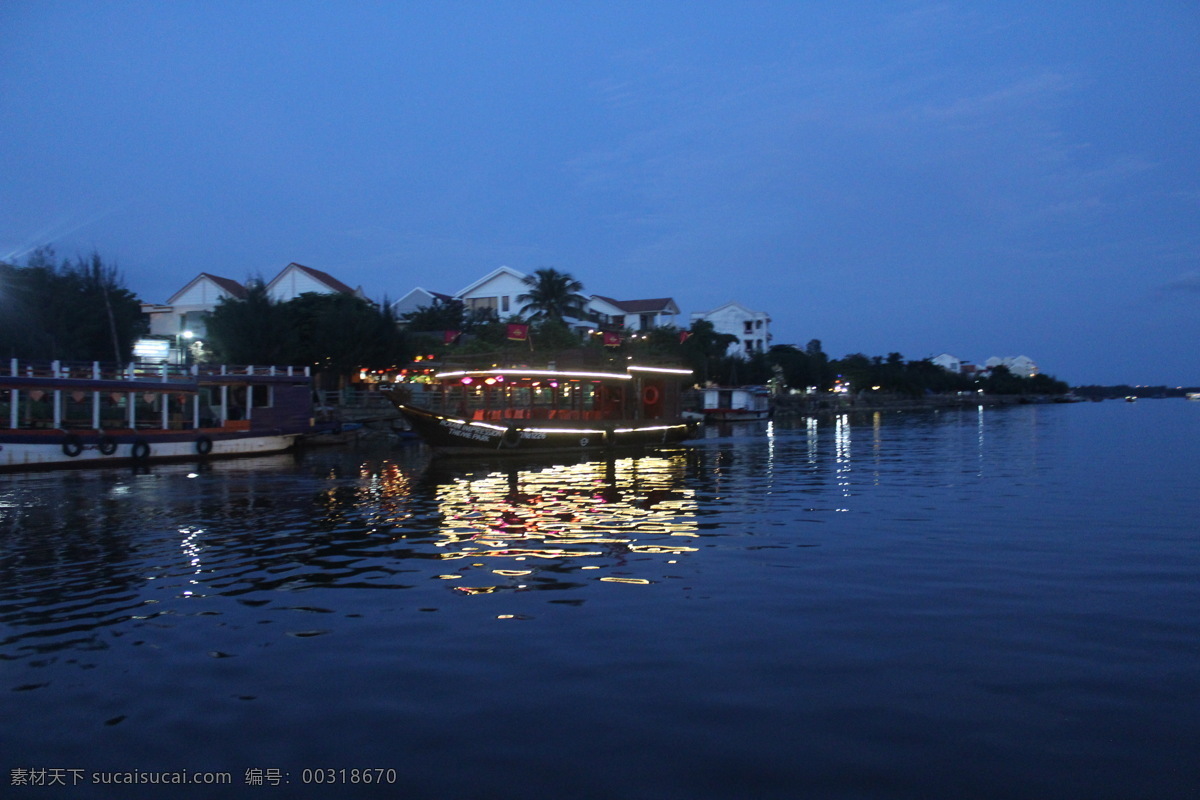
96, 397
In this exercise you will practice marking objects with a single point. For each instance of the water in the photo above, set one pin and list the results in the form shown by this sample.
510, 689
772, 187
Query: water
976, 604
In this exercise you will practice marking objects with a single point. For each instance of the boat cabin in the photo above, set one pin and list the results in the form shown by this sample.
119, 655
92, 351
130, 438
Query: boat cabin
500, 394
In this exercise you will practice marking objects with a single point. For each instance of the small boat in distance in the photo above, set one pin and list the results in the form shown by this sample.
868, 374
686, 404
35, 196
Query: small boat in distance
523, 410
60, 414
736, 404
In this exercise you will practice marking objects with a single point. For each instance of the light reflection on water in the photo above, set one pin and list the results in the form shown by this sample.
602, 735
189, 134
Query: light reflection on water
920, 600
585, 516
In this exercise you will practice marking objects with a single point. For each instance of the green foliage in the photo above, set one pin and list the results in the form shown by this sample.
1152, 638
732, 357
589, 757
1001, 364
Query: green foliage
75, 311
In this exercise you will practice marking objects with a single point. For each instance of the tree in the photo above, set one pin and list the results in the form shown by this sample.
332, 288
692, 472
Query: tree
251, 330
78, 311
340, 334
704, 350
552, 295
438, 316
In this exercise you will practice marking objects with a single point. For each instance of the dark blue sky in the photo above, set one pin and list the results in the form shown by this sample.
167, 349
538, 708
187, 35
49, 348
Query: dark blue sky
979, 179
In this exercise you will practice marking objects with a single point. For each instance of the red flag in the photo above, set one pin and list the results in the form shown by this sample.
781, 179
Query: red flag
612, 339
449, 337
518, 332
684, 336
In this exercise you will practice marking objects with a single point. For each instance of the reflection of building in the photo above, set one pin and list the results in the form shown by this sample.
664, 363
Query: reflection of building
752, 328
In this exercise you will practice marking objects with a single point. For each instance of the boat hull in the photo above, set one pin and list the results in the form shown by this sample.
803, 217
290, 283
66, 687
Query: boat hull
450, 435
31, 450
735, 415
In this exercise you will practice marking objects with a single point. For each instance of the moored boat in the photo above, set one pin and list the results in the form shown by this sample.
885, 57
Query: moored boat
525, 410
736, 404
72, 415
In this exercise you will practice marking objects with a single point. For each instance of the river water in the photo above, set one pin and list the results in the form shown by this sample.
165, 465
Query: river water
980, 603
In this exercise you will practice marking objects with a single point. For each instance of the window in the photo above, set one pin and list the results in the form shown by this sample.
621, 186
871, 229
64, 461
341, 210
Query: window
504, 303
749, 326
481, 302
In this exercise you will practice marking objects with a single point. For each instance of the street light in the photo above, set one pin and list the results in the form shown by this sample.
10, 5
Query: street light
182, 342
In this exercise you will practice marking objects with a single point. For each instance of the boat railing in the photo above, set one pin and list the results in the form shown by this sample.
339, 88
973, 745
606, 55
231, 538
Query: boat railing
141, 371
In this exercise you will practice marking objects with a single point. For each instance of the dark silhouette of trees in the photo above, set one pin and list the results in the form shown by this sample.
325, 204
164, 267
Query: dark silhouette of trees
336, 334
73, 311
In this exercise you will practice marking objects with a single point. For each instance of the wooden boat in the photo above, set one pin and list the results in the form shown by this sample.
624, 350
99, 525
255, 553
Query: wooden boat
736, 404
525, 411
72, 415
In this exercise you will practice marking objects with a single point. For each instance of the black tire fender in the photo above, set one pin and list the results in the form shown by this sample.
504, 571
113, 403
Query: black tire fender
72, 445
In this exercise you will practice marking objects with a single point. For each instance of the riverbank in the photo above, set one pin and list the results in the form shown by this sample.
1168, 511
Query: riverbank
800, 405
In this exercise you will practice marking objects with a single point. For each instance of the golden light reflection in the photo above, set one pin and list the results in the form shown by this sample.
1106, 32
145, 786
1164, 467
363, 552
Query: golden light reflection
567, 518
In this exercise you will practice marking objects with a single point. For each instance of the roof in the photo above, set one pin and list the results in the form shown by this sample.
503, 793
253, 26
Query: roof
664, 305
730, 304
323, 277
229, 285
493, 274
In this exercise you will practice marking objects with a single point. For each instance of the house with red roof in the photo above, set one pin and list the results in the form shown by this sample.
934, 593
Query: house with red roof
637, 315
297, 279
180, 322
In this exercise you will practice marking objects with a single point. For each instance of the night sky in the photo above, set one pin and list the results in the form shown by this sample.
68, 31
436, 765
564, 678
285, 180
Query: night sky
981, 179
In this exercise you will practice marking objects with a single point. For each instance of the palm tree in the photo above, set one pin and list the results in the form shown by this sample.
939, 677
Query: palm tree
552, 295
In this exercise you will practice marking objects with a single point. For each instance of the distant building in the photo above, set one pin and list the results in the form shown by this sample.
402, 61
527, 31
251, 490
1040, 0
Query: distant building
637, 315
297, 279
949, 363
752, 328
187, 309
1017, 365
182, 320
418, 298
497, 291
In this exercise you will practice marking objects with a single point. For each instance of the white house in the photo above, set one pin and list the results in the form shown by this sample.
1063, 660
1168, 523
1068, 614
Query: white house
416, 299
498, 291
186, 309
297, 279
1017, 365
752, 328
182, 320
948, 363
638, 315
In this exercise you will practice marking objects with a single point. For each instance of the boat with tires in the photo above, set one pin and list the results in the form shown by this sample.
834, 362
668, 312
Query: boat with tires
524, 410
74, 415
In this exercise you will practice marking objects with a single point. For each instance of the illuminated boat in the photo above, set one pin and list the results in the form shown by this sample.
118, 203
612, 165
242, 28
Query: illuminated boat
72, 415
524, 410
